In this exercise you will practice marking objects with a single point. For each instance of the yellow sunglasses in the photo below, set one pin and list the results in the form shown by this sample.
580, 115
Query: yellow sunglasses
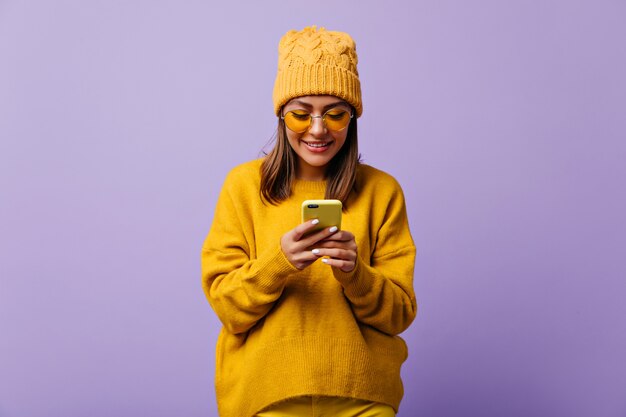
299, 121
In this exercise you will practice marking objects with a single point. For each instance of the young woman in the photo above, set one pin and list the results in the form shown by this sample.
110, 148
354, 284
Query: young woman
310, 321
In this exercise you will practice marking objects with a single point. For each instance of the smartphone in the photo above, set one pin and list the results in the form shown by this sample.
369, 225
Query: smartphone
328, 212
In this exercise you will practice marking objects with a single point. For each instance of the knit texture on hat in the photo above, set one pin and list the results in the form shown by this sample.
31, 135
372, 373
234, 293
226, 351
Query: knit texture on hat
317, 62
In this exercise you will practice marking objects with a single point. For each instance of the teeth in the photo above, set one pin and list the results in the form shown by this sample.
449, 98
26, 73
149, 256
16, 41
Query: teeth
317, 144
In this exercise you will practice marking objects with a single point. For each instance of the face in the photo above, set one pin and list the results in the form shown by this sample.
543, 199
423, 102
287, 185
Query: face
317, 146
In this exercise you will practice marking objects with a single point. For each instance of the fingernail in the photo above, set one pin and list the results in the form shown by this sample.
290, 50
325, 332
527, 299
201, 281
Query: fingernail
333, 229
315, 251
325, 260
315, 221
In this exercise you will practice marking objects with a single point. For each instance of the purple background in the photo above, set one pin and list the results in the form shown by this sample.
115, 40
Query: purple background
505, 122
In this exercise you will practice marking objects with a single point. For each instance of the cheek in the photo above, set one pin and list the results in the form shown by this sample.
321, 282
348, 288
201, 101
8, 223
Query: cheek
293, 139
340, 137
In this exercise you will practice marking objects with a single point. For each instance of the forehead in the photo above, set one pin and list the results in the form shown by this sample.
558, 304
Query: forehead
316, 102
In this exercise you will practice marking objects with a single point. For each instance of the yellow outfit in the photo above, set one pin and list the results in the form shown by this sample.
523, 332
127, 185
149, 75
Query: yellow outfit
317, 331
327, 407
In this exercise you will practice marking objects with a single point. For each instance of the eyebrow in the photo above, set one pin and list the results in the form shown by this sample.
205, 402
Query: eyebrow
329, 106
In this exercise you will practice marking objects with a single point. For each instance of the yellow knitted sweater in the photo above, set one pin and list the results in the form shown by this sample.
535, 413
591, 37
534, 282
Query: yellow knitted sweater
318, 331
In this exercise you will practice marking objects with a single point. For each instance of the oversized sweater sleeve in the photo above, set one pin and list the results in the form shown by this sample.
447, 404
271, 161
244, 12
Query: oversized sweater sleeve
240, 289
381, 290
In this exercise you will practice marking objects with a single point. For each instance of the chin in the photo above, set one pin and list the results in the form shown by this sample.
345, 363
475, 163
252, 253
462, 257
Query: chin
317, 163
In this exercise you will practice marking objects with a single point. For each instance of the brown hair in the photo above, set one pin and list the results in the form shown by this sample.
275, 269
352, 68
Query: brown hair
278, 170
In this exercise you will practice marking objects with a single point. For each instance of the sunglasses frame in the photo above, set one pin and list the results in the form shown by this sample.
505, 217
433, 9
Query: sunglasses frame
282, 116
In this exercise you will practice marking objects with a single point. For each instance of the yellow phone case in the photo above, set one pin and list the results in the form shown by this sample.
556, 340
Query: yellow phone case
327, 211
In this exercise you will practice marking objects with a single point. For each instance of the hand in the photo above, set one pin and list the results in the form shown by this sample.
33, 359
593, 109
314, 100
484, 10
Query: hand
297, 247
340, 248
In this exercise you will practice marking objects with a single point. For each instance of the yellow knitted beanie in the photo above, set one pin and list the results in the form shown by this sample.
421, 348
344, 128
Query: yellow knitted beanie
317, 62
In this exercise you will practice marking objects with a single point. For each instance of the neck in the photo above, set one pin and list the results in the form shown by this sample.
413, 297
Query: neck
310, 173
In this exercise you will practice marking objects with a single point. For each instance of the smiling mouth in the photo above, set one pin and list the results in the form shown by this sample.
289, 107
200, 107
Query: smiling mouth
318, 145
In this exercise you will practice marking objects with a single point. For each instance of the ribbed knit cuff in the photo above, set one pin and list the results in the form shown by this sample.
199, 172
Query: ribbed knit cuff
356, 283
273, 270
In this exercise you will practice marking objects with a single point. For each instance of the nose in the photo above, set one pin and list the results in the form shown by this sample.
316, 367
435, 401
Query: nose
318, 128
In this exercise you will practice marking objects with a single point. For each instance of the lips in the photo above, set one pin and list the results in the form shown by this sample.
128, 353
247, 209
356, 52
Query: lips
317, 146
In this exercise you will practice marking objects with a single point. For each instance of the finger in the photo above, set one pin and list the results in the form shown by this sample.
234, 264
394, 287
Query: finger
345, 266
301, 229
349, 245
304, 259
341, 235
341, 254
319, 236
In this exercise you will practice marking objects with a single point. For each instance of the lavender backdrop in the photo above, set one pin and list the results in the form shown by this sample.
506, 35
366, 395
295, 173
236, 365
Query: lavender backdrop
505, 121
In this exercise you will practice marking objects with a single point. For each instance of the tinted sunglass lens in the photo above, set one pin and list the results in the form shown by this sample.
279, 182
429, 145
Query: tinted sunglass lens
297, 121
337, 119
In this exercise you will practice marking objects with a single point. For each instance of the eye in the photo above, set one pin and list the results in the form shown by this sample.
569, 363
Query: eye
300, 115
336, 114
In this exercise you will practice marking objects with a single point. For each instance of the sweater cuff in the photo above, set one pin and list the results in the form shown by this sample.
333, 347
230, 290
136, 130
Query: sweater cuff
273, 270
355, 283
